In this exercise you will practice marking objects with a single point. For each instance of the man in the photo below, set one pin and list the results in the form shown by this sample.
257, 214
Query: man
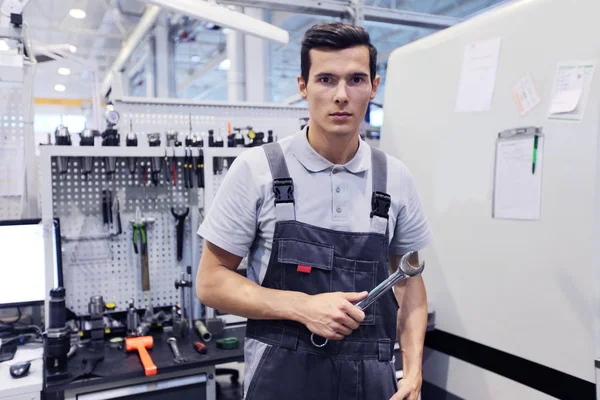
301, 209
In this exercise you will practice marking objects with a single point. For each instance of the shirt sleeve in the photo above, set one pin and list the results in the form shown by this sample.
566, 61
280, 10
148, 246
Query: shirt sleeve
231, 221
412, 232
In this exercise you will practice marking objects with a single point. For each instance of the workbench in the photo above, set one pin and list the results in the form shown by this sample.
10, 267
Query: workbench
121, 375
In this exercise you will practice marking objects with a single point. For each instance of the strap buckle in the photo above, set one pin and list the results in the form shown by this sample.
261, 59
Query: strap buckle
284, 190
380, 204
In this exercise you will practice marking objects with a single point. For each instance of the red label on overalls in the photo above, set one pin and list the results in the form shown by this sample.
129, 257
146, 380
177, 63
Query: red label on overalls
304, 269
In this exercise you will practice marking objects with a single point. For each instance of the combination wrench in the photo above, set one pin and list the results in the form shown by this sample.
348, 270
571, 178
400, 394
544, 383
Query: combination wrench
173, 343
405, 271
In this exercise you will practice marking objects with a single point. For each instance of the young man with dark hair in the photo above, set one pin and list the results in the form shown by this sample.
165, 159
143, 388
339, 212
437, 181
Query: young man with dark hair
301, 210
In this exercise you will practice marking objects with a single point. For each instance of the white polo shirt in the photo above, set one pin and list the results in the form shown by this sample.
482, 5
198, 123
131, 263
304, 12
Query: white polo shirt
241, 219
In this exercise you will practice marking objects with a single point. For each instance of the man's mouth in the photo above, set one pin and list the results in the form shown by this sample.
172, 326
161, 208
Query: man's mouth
340, 114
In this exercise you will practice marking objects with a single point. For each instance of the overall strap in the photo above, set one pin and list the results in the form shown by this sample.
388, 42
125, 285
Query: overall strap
283, 185
380, 200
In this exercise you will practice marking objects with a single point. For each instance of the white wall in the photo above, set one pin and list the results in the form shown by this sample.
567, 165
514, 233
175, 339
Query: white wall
526, 288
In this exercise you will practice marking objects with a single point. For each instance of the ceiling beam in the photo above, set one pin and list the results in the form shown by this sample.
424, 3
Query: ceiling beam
343, 10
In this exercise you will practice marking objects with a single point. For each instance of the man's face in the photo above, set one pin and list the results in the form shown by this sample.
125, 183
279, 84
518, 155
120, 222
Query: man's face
339, 89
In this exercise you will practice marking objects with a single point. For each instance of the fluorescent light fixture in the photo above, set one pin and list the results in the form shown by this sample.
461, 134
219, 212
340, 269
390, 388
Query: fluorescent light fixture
60, 88
72, 48
64, 71
225, 64
195, 58
4, 45
224, 17
77, 13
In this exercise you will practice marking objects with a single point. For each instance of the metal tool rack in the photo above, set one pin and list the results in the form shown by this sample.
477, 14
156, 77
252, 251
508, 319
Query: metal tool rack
96, 261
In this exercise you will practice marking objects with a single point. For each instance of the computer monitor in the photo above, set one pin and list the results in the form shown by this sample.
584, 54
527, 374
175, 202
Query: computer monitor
23, 262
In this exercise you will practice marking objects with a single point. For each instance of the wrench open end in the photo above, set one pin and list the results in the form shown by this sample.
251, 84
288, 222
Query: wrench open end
407, 268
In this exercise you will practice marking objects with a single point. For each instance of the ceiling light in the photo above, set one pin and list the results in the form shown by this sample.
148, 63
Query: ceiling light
72, 48
77, 13
64, 71
225, 64
60, 88
195, 58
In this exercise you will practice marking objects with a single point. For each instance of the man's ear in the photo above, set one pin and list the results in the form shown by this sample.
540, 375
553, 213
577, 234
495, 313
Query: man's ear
302, 87
375, 86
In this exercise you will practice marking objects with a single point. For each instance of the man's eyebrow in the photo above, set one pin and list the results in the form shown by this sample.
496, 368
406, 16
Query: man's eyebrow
323, 74
352, 74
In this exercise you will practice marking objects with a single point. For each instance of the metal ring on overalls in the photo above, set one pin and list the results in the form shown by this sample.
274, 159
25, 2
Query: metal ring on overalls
312, 340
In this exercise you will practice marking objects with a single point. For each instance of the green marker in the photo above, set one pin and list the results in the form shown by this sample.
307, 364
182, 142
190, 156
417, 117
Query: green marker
535, 146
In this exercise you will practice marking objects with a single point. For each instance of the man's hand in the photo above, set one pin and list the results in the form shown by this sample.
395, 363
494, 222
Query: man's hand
332, 315
408, 388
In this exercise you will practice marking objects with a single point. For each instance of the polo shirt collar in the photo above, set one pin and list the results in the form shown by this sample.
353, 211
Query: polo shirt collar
314, 162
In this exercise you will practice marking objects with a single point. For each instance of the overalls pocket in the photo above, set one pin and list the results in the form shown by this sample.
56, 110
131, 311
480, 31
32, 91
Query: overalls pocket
306, 266
356, 276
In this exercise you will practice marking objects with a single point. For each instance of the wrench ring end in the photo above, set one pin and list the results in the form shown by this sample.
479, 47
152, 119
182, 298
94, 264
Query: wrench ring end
407, 268
312, 339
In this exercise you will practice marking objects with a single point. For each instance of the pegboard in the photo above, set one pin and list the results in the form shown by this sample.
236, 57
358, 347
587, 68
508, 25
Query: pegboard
12, 150
96, 261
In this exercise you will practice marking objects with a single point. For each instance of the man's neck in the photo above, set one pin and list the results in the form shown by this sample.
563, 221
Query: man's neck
337, 149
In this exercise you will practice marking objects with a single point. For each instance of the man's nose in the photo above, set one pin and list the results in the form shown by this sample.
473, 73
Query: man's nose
341, 97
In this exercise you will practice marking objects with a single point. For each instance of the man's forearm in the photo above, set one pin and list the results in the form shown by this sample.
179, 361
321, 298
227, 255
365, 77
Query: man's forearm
229, 292
412, 324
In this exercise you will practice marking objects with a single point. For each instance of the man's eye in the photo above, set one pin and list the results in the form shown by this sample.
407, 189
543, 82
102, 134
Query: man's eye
357, 79
324, 79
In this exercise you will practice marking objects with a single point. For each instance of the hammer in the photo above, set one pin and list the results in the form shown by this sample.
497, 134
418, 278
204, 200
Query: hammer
141, 344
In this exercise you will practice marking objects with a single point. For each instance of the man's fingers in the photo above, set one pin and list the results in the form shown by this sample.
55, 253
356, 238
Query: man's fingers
355, 313
354, 297
331, 335
401, 394
339, 328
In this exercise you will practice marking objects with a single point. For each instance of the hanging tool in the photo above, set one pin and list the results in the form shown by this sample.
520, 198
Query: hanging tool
180, 218
117, 208
140, 225
186, 282
405, 271
168, 168
155, 162
105, 207
86, 163
174, 169
131, 141
62, 137
200, 168
110, 138
107, 217
110, 210
139, 232
187, 168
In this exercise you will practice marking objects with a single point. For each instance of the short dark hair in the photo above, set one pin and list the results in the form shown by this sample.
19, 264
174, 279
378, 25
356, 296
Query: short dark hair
337, 36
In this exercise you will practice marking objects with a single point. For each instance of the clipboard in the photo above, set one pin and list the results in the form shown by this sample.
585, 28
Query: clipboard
518, 174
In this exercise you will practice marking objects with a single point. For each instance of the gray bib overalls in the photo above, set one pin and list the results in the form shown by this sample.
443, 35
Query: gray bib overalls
314, 260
